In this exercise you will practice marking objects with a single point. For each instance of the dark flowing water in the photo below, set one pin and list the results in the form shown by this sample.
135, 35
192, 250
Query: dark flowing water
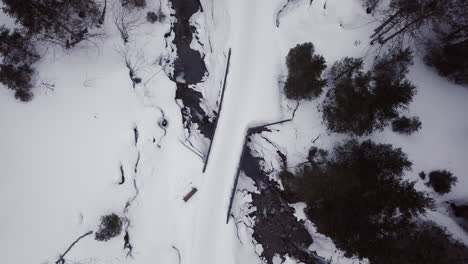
189, 68
276, 228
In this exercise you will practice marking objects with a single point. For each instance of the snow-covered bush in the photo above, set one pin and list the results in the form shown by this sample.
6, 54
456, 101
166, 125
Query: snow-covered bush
406, 125
361, 102
441, 181
305, 70
111, 226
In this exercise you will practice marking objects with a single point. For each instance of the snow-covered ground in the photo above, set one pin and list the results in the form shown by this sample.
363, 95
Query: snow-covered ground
61, 153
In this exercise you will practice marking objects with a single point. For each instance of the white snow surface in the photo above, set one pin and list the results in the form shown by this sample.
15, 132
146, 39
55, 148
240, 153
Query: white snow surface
60, 153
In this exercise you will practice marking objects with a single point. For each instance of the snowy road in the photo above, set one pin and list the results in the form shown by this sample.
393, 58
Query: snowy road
250, 82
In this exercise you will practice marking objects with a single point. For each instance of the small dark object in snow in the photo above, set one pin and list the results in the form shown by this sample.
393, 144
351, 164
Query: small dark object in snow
154, 17
122, 175
163, 123
422, 175
135, 133
190, 194
127, 244
111, 226
460, 210
151, 17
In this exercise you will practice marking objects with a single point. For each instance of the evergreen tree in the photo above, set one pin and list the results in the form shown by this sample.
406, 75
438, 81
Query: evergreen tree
305, 69
66, 22
18, 56
360, 200
441, 181
361, 102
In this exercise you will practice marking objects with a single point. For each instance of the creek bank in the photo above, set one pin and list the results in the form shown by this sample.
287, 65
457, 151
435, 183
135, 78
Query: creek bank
189, 69
275, 226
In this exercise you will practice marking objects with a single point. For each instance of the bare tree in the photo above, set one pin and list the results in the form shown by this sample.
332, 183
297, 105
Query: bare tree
134, 63
404, 22
126, 20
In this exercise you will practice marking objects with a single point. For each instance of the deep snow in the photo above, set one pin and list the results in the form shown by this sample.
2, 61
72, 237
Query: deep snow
61, 153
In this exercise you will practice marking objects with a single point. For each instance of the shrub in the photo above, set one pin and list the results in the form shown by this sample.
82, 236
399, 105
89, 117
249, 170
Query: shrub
441, 181
422, 175
360, 102
359, 199
154, 17
405, 125
305, 69
111, 226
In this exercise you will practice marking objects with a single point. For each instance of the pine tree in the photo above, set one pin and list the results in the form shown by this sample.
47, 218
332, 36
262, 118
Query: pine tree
305, 69
442, 181
65, 23
360, 200
18, 56
361, 102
